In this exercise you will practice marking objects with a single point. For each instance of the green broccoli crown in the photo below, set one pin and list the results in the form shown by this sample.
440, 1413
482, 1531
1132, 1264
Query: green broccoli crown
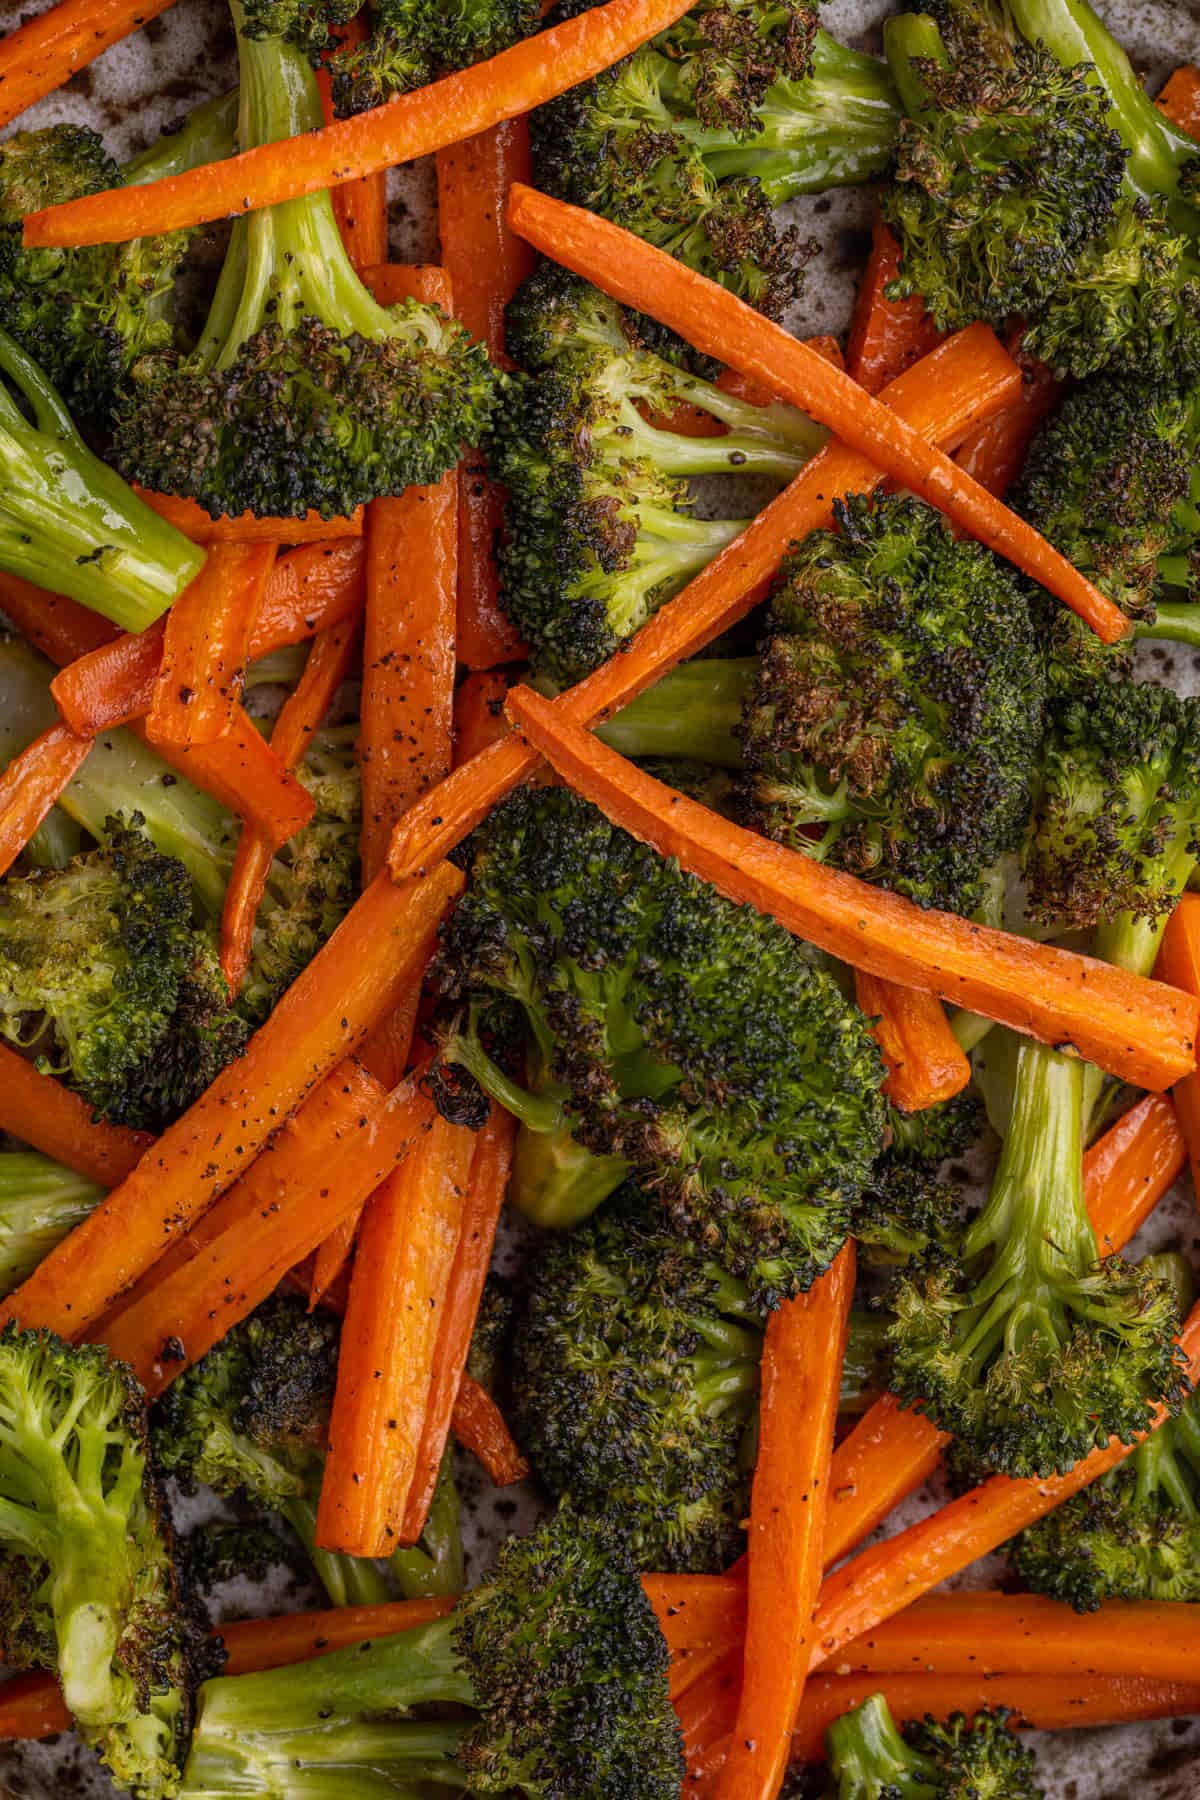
893, 726
1117, 824
927, 1139
412, 42
559, 1655
689, 1037
1022, 1344
963, 1759
40, 1201
636, 1372
104, 976
600, 524
903, 1213
89, 1585
308, 25
303, 392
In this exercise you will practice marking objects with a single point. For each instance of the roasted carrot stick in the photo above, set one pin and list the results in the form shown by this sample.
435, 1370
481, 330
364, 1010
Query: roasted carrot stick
31, 784
480, 1428
406, 1246
479, 713
206, 641
949, 392
486, 263
42, 1112
1180, 99
371, 959
310, 588
248, 528
183, 1316
44, 54
886, 336
1128, 1170
803, 1351
718, 323
995, 454
922, 1055
301, 713
1179, 963
60, 628
360, 207
490, 1163
1140, 1030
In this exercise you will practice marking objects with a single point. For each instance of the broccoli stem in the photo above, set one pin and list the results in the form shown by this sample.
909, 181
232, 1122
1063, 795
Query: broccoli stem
68, 522
1168, 1462
348, 1580
207, 135
1176, 621
555, 1181
775, 441
864, 1368
868, 1755
693, 712
908, 39
435, 1567
40, 1202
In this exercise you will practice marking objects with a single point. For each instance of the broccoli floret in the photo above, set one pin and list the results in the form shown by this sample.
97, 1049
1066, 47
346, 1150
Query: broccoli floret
635, 1382
600, 528
674, 1034
869, 1759
251, 1418
89, 315
67, 521
1135, 1533
226, 1550
40, 1201
308, 25
412, 42
105, 978
904, 1213
88, 1585
303, 391
557, 1660
889, 724
929, 1138
691, 146
1027, 187
1022, 1344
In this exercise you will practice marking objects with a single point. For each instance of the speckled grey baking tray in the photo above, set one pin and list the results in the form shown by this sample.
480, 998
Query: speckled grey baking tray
130, 95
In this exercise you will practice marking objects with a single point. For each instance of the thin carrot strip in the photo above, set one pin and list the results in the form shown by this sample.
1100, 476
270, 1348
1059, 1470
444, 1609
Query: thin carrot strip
803, 1351
486, 263
1179, 963
32, 783
371, 959
995, 454
406, 1245
206, 641
717, 322
1180, 99
479, 1426
922, 1055
44, 53
60, 628
479, 713
886, 336
183, 1316
360, 207
310, 588
42, 1112
1141, 1030
325, 669
244, 774
490, 1165
1128, 1170
968, 378
247, 528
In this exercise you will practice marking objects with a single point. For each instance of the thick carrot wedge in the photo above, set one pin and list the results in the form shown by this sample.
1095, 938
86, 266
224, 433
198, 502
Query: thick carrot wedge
43, 54
1179, 963
995, 454
1180, 99
1141, 1030
412, 125
371, 959
886, 336
1128, 1170
31, 784
948, 393
248, 528
42, 1112
206, 642
924, 1061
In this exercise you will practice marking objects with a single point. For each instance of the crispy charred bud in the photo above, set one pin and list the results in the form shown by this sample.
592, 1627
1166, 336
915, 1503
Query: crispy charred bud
870, 1759
412, 42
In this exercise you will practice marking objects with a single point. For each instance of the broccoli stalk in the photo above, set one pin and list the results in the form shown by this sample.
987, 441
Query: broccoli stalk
40, 1201
869, 1759
1024, 1346
303, 391
557, 1662
68, 522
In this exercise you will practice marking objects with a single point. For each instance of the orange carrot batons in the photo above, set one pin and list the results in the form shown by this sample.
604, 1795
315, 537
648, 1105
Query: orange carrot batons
41, 1111
206, 641
43, 54
924, 1061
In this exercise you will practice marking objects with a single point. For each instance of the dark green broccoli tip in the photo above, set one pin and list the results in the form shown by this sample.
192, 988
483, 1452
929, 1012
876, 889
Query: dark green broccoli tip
904, 1213
40, 1202
89, 1586
412, 42
870, 1760
303, 392
68, 522
310, 26
558, 1656
105, 977
927, 1139
893, 727
692, 1038
1024, 1346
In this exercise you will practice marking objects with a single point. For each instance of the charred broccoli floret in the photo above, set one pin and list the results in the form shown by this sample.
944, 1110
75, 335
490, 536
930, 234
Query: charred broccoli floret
106, 979
67, 521
600, 527
555, 1666
412, 42
87, 1586
251, 1418
40, 1201
668, 1034
89, 315
303, 391
1022, 1343
692, 140
869, 1759
1135, 1533
889, 724
926, 1139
